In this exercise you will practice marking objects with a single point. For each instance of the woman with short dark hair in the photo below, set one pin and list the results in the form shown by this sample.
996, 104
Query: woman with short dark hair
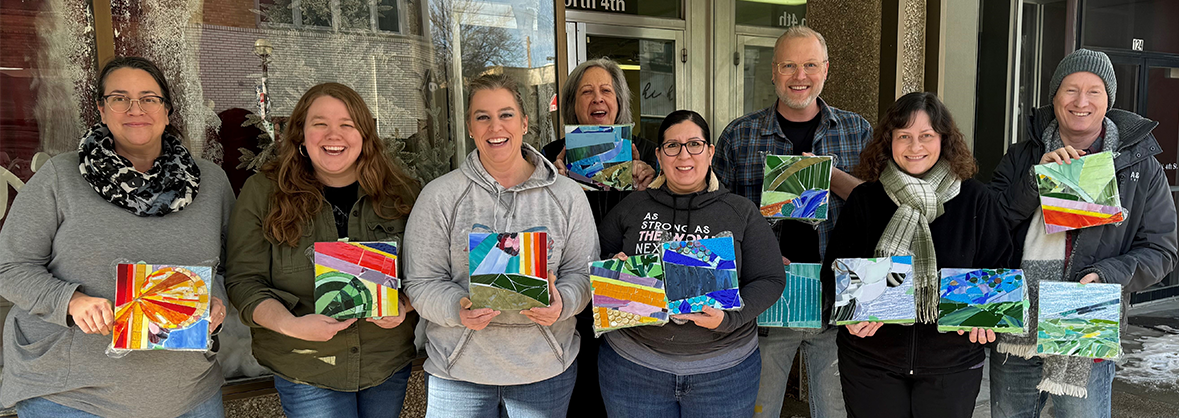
919, 189
130, 192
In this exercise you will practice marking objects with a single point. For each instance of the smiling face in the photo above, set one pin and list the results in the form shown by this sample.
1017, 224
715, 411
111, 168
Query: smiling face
917, 147
1080, 105
800, 90
497, 125
597, 103
134, 130
686, 173
332, 140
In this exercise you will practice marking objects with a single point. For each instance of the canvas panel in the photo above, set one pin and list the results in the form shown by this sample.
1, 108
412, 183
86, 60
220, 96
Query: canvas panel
874, 290
1082, 320
508, 270
701, 273
356, 279
801, 303
994, 299
600, 157
796, 187
162, 307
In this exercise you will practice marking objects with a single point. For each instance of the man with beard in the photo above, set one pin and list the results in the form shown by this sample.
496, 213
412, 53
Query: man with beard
799, 123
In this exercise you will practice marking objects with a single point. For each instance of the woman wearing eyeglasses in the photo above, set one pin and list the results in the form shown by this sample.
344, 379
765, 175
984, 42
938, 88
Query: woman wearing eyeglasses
702, 364
131, 192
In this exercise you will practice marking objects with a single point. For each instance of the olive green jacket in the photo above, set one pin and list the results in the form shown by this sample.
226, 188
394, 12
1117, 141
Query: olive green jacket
358, 357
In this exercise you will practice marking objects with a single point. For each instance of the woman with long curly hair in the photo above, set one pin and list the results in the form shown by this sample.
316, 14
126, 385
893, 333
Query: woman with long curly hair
919, 199
332, 180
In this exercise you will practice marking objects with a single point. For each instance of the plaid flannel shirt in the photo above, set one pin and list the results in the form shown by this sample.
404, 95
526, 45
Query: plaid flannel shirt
739, 162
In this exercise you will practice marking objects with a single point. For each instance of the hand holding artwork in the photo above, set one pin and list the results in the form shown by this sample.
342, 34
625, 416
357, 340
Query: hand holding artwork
981, 336
710, 318
621, 256
1062, 155
476, 319
1091, 278
560, 163
216, 313
547, 315
390, 322
93, 315
643, 174
314, 327
864, 329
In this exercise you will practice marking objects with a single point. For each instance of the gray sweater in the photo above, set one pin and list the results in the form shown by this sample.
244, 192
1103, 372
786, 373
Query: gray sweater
61, 236
512, 349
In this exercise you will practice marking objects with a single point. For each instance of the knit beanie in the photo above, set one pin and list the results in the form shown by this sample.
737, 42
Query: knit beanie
1089, 61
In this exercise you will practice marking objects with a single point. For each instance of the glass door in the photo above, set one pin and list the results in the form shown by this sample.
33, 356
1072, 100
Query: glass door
755, 90
651, 61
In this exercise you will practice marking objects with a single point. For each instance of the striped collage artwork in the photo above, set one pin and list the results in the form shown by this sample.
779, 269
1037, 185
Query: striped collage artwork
356, 279
628, 293
508, 270
161, 307
801, 303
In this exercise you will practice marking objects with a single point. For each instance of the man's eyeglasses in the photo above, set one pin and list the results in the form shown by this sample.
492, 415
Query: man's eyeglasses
672, 148
789, 68
122, 104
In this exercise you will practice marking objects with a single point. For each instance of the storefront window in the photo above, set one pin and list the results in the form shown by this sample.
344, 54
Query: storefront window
771, 13
1117, 23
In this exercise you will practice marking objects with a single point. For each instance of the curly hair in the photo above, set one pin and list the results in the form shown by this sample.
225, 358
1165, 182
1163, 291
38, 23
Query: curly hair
954, 151
299, 194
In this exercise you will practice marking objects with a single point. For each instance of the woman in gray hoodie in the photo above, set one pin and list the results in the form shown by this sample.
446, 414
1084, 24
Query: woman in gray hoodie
482, 358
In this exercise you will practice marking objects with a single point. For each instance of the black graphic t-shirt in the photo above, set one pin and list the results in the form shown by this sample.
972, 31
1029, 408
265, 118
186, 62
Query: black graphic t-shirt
341, 200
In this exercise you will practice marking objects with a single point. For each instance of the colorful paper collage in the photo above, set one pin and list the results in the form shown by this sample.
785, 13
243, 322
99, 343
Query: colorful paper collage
801, 303
628, 293
1080, 320
700, 273
509, 270
1079, 195
796, 187
982, 298
600, 156
874, 289
356, 279
162, 307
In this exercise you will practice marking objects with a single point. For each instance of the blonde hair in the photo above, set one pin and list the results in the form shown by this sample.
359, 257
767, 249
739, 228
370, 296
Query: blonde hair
800, 32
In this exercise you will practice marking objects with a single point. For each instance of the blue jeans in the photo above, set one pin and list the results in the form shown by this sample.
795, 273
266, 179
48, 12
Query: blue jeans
1014, 393
631, 390
305, 401
457, 399
822, 365
41, 408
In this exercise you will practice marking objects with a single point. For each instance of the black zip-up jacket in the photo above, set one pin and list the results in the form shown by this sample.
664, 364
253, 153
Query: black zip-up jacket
971, 233
631, 228
1137, 252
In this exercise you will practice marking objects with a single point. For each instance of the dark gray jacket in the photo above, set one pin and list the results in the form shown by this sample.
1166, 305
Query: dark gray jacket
1137, 252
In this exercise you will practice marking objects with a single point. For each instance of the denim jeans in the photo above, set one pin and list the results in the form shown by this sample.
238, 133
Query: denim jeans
305, 401
1014, 393
457, 399
822, 365
41, 408
631, 390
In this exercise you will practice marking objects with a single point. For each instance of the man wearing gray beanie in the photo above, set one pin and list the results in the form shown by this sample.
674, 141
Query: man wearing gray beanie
1136, 253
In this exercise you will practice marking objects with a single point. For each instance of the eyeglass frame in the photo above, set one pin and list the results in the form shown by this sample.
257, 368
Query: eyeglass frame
133, 102
684, 147
818, 67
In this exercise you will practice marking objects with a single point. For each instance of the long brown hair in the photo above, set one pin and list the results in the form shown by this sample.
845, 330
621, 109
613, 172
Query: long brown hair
954, 151
299, 195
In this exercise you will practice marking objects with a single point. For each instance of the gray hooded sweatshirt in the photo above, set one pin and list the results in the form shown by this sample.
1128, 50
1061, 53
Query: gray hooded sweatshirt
512, 349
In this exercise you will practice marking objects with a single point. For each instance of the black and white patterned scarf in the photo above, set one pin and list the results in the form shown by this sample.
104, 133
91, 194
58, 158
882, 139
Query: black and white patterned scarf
170, 185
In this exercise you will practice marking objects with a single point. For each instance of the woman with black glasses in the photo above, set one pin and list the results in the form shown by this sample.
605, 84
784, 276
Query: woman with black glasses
703, 364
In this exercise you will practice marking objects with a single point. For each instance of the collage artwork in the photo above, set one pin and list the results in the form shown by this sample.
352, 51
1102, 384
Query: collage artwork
599, 157
628, 293
700, 273
356, 279
508, 270
873, 289
162, 307
1079, 195
982, 298
1080, 320
796, 187
801, 303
